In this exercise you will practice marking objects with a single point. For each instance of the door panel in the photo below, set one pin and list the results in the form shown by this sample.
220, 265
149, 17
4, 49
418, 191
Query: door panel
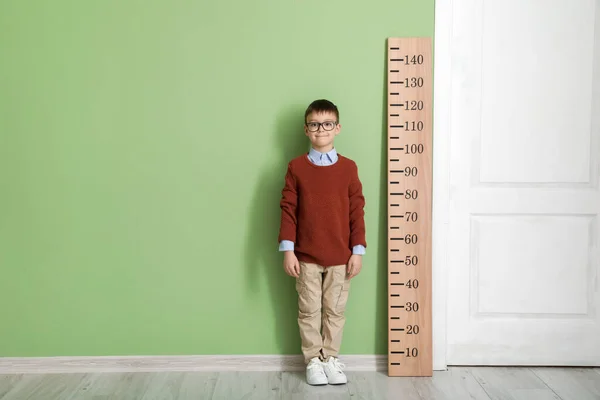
523, 236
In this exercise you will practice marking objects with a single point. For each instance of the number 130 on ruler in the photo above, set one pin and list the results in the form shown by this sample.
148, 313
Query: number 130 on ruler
409, 183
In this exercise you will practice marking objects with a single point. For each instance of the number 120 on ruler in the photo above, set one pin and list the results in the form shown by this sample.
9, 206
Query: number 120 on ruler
409, 183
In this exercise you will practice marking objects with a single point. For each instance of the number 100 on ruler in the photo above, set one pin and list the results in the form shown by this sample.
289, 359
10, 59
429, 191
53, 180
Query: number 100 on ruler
409, 183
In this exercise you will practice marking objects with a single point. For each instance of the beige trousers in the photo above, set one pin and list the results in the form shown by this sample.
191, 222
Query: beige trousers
322, 297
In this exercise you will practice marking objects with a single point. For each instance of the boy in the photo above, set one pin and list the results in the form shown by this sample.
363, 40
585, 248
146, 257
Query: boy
322, 235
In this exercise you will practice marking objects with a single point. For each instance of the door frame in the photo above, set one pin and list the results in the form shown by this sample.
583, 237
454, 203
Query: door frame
442, 76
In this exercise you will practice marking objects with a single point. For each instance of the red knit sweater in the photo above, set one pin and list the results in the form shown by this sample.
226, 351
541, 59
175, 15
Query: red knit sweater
322, 210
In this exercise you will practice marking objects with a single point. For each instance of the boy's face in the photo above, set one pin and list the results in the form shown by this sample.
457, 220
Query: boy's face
321, 136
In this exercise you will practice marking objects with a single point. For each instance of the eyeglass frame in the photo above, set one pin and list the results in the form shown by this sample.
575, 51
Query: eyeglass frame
320, 124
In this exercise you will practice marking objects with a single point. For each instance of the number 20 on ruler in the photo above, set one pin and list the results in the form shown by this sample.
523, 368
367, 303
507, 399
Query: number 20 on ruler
409, 139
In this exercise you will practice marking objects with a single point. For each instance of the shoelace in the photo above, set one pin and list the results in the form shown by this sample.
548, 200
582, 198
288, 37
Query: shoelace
337, 365
314, 364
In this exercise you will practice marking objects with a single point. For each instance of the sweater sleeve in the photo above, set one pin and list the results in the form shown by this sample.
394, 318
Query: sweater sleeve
288, 204
357, 214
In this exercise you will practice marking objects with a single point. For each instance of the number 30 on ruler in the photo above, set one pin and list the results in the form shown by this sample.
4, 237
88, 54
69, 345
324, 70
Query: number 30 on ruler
409, 183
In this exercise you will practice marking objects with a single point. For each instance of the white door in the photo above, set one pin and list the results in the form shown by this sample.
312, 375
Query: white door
523, 238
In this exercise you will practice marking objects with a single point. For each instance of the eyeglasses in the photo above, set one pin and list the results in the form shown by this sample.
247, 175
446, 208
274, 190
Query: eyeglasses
327, 126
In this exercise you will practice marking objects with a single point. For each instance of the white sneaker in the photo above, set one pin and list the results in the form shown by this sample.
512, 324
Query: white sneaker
333, 369
314, 372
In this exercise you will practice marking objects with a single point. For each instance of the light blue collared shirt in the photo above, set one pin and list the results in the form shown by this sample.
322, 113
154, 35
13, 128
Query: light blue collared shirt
321, 159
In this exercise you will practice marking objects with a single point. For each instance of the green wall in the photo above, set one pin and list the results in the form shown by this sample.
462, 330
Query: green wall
143, 146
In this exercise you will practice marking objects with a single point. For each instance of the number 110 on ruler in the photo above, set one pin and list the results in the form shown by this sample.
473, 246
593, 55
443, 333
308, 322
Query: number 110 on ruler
409, 183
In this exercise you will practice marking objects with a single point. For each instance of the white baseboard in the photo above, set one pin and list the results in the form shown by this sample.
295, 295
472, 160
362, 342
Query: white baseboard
217, 363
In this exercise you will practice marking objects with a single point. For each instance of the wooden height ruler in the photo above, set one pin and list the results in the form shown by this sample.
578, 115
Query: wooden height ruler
409, 182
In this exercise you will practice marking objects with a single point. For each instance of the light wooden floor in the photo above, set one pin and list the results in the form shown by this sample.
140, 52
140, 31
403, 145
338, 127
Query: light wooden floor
455, 384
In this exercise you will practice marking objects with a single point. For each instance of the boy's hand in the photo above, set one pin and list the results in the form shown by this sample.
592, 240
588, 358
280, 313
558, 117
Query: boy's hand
354, 265
291, 264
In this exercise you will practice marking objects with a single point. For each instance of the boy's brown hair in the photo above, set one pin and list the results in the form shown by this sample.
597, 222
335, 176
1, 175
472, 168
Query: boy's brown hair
322, 105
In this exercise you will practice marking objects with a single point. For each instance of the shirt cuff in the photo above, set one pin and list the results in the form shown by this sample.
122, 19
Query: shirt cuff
286, 245
358, 249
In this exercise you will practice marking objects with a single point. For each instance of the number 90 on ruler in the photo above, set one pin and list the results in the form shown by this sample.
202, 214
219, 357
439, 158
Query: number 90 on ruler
409, 183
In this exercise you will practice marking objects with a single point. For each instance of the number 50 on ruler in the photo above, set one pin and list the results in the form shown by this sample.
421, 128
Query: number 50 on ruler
409, 183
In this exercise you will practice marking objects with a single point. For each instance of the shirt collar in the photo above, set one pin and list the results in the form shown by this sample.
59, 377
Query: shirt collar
315, 155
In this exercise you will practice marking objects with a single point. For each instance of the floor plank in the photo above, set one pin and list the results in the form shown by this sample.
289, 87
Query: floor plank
45, 386
378, 385
163, 386
97, 386
198, 385
114, 386
7, 382
512, 383
27, 385
453, 384
81, 390
571, 383
248, 385
294, 387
